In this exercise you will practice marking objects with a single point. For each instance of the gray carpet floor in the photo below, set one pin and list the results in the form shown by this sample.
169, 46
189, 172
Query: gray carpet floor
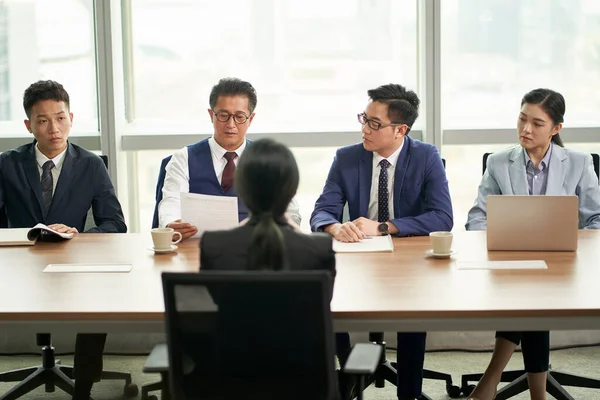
581, 361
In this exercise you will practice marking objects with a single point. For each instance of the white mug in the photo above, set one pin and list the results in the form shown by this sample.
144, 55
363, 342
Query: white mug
441, 242
163, 238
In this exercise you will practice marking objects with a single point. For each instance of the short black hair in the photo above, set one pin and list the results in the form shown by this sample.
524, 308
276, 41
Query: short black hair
553, 104
403, 105
233, 87
44, 90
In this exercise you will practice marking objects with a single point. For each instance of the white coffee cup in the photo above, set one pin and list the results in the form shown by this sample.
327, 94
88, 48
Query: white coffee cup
441, 242
163, 238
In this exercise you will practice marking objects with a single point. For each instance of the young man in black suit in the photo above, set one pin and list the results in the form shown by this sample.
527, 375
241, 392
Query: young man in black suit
54, 182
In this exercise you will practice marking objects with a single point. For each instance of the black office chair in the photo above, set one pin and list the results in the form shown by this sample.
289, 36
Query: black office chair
595, 162
518, 378
159, 185
51, 374
387, 369
255, 335
156, 360
3, 218
104, 158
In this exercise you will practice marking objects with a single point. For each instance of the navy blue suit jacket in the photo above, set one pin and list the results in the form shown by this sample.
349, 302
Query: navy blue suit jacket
83, 183
421, 197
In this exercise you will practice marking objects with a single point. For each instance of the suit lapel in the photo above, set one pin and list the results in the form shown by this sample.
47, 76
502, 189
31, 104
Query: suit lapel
67, 171
365, 175
33, 176
400, 173
557, 171
517, 173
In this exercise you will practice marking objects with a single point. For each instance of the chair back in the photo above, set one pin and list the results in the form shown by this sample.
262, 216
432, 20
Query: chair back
89, 218
250, 335
159, 185
485, 157
104, 158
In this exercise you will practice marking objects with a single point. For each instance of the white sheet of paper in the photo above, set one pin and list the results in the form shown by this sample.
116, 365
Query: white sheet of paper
88, 268
518, 264
370, 244
209, 213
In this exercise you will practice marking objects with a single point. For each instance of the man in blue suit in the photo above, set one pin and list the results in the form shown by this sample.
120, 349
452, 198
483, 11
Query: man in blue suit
54, 182
393, 185
207, 167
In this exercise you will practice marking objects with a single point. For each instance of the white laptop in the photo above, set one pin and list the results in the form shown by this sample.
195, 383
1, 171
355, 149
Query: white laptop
532, 223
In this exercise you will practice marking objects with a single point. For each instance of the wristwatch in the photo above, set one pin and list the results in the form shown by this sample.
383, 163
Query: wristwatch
383, 228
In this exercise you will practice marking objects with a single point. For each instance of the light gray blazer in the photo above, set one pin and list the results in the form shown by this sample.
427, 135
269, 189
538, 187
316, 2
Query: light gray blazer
569, 173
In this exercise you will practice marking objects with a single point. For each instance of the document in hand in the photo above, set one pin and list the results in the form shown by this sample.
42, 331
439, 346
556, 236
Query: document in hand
369, 244
209, 213
28, 236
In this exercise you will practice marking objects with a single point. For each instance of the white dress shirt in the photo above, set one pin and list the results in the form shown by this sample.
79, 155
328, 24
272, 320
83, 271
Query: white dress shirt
177, 181
58, 162
374, 196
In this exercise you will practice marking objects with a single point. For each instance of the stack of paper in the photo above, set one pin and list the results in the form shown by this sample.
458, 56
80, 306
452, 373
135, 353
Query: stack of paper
369, 244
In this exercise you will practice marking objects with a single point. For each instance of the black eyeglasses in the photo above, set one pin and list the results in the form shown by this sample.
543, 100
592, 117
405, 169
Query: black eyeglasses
375, 125
224, 116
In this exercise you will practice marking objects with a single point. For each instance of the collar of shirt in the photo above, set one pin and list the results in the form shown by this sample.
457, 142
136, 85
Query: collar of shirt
219, 153
392, 159
58, 160
545, 161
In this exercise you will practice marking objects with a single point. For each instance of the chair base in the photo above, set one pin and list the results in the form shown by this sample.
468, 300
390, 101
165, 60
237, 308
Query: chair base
518, 384
162, 385
386, 371
34, 377
52, 374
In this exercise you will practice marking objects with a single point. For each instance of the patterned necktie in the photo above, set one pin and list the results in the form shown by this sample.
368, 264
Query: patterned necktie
229, 171
47, 185
383, 212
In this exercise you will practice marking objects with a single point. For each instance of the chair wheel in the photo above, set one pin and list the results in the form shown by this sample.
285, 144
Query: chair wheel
130, 390
467, 390
453, 391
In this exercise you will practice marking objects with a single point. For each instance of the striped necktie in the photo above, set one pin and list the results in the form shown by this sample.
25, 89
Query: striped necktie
47, 185
229, 171
383, 211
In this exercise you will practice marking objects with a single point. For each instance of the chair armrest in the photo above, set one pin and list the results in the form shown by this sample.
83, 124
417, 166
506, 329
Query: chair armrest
158, 360
364, 359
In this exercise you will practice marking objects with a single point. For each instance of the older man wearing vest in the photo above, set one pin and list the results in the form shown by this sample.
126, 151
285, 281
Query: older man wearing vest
207, 167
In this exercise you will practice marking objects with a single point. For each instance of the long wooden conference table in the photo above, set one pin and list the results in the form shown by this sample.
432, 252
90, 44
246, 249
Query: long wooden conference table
400, 291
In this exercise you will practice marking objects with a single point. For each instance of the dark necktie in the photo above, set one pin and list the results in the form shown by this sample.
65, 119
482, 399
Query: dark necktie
229, 171
383, 211
47, 185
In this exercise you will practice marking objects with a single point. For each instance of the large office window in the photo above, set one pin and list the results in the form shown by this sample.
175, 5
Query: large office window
310, 61
495, 51
492, 53
42, 39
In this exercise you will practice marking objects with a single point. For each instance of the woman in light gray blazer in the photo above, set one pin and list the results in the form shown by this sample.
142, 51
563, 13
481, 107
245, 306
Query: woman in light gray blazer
539, 165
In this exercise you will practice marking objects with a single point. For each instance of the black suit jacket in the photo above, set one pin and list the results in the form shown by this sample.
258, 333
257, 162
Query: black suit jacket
228, 250
83, 183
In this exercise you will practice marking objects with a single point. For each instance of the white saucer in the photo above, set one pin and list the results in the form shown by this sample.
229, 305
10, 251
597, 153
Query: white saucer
437, 255
163, 251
